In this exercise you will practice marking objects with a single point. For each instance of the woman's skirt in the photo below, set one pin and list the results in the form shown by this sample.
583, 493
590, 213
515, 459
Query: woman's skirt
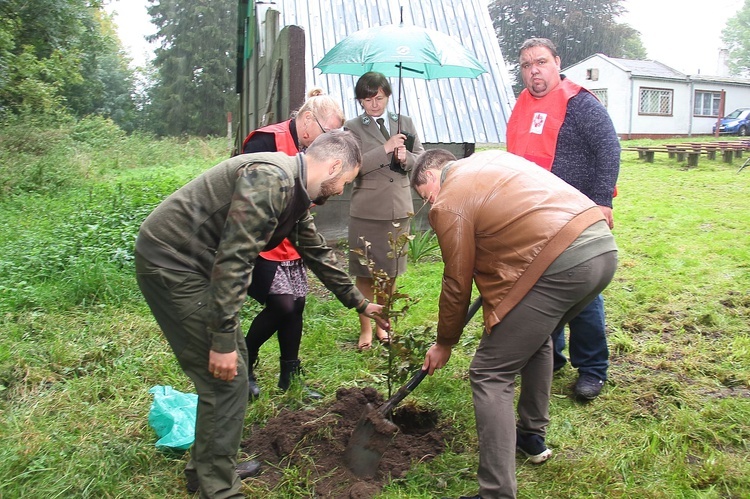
372, 239
278, 278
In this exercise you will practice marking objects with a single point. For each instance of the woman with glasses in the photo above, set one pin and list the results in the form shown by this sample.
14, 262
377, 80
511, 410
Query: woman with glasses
279, 278
381, 196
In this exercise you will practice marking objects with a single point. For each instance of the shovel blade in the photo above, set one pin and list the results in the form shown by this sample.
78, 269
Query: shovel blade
368, 443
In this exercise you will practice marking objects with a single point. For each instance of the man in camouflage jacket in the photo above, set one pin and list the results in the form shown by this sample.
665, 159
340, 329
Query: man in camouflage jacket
194, 258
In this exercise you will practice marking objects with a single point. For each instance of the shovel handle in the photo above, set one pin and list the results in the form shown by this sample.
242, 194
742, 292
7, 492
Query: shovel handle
410, 385
402, 392
473, 309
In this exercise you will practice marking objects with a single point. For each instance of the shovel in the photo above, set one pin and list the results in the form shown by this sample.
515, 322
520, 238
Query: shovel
374, 431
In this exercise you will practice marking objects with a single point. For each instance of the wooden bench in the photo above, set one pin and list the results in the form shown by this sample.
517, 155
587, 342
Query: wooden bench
728, 149
647, 153
693, 150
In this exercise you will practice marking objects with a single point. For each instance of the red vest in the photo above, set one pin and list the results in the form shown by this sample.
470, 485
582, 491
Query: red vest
543, 119
282, 135
534, 125
284, 143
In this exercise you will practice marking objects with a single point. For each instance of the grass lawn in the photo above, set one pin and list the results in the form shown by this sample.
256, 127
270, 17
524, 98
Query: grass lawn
79, 349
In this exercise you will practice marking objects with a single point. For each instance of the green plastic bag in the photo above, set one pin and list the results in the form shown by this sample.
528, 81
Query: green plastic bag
172, 416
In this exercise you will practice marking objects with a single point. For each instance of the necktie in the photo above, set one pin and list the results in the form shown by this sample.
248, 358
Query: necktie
383, 130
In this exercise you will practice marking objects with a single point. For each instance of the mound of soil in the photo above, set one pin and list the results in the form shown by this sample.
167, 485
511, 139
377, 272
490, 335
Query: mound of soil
314, 441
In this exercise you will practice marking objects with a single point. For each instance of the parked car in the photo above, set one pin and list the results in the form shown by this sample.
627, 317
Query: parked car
736, 122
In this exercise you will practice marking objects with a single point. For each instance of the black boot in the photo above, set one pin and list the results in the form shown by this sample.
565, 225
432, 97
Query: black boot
254, 392
289, 369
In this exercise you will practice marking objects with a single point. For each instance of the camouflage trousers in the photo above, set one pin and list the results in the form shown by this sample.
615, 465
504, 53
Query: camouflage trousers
178, 302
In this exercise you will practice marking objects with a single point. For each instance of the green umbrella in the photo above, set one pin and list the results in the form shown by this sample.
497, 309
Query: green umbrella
419, 52
399, 51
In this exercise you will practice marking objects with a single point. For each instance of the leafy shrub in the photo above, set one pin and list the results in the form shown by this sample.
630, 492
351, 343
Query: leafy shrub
34, 138
98, 133
35, 158
423, 246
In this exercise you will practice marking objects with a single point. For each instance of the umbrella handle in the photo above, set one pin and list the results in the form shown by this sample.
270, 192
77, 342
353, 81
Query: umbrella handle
400, 68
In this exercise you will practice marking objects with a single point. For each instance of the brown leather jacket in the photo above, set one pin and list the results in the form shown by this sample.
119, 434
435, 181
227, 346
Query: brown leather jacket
501, 221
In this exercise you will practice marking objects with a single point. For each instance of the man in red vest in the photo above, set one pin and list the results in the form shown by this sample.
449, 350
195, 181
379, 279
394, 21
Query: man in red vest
562, 127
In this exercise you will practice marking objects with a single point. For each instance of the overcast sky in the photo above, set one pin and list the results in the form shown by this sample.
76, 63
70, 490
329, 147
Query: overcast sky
683, 34
133, 25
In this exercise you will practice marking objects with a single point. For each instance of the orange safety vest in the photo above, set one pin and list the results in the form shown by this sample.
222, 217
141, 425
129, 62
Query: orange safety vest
284, 143
534, 124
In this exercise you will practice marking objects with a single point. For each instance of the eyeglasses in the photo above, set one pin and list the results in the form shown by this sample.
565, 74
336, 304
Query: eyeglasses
318, 122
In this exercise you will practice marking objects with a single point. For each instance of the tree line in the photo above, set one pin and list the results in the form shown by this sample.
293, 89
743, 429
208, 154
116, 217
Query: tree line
62, 59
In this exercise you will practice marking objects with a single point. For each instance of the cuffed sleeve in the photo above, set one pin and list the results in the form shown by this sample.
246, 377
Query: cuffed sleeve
322, 261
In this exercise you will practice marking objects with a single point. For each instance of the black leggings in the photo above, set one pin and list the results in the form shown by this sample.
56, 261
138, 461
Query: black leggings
283, 313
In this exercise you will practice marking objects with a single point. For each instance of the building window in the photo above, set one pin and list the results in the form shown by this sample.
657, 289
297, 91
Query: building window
592, 74
656, 101
601, 94
707, 103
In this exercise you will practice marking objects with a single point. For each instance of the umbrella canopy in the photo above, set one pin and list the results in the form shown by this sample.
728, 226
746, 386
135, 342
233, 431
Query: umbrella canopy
419, 52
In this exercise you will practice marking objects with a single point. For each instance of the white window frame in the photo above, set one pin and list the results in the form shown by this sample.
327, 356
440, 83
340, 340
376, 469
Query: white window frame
601, 94
700, 105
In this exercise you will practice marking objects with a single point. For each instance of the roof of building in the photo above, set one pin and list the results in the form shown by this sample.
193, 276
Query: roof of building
643, 69
658, 70
726, 80
649, 69
455, 110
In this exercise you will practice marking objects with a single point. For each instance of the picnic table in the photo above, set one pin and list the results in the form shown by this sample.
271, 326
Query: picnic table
691, 151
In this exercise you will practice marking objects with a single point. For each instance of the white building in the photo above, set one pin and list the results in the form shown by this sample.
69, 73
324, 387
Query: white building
650, 99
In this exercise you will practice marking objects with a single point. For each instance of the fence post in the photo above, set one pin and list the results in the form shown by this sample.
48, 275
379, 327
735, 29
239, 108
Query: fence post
229, 132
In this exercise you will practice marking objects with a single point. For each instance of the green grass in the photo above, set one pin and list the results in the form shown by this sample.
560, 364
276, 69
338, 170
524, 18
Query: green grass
80, 350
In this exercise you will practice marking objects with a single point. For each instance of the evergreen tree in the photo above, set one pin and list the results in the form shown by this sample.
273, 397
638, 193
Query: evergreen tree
195, 66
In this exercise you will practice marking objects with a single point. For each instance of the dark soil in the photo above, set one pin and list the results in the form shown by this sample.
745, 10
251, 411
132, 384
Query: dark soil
314, 442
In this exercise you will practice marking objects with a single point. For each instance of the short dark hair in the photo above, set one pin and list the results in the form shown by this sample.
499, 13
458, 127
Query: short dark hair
369, 84
434, 159
339, 144
538, 42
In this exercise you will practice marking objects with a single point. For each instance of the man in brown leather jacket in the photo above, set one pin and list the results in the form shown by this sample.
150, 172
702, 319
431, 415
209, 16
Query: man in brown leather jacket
539, 251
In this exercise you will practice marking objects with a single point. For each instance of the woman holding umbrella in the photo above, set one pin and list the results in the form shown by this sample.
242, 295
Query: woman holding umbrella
381, 196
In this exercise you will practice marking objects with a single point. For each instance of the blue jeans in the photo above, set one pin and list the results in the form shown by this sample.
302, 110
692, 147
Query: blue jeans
588, 341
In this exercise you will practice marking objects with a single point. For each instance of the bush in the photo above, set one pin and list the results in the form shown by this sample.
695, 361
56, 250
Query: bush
98, 133
35, 158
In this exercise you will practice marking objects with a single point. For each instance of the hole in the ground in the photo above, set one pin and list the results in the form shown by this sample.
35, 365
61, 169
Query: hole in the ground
310, 443
414, 419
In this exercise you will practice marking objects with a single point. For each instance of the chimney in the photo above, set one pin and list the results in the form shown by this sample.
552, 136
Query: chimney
722, 67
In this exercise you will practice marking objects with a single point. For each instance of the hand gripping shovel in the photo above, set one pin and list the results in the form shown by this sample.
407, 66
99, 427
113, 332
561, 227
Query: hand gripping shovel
374, 431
